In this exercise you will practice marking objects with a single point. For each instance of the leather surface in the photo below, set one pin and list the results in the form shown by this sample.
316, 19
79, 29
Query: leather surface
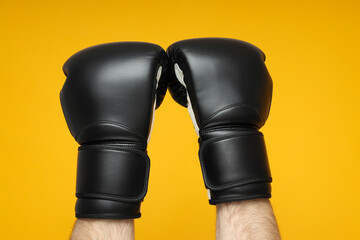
237, 173
108, 100
230, 91
110, 90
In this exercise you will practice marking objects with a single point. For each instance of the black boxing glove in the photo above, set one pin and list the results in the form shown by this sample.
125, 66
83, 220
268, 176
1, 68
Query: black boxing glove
227, 89
109, 99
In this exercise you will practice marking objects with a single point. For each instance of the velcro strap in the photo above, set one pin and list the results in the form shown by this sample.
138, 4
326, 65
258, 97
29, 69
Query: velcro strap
234, 160
112, 173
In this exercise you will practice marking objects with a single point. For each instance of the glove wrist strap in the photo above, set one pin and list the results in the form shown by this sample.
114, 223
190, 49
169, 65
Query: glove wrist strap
111, 181
235, 166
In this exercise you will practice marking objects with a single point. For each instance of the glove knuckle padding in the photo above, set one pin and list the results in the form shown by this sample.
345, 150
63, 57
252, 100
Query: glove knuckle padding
106, 84
108, 101
230, 91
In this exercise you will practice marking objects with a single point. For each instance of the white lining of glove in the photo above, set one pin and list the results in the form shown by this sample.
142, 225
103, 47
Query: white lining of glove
180, 77
158, 75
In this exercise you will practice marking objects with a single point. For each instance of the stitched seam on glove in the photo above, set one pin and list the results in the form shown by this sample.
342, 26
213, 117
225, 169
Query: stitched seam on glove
107, 216
230, 199
245, 131
122, 148
237, 183
110, 122
235, 105
138, 152
107, 196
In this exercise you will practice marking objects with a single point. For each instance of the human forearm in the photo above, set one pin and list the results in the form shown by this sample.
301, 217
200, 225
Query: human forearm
245, 220
101, 229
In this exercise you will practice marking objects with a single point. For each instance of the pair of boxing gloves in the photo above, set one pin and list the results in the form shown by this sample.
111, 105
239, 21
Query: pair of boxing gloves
109, 100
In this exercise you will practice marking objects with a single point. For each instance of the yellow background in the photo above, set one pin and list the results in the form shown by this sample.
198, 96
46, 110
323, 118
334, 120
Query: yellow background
312, 134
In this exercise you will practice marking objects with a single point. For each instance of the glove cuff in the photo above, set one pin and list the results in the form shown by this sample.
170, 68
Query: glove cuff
244, 192
235, 166
106, 209
111, 181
